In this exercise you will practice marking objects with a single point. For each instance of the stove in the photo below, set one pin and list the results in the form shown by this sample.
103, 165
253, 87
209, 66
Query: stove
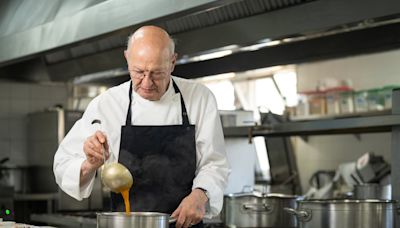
67, 220
87, 219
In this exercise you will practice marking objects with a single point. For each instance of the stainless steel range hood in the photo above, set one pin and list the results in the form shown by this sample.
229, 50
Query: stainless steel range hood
89, 39
94, 21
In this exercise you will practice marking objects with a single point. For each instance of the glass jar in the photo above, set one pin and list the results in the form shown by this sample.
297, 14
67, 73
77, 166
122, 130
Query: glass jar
346, 102
360, 101
386, 95
374, 99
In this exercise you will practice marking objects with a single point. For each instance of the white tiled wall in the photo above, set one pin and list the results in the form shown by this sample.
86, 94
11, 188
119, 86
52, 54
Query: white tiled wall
366, 71
16, 101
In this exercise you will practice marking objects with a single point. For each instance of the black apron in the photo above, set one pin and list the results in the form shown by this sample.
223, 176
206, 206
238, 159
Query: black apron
162, 160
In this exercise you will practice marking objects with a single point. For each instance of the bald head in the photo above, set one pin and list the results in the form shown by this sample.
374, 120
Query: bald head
154, 36
151, 59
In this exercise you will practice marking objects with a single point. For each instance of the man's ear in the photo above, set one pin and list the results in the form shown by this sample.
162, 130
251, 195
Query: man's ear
174, 57
126, 55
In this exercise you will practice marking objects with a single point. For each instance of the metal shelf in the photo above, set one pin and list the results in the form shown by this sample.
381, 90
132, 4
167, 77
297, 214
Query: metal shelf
383, 122
351, 125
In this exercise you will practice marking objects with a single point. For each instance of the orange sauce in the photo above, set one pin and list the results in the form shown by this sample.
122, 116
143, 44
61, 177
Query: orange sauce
125, 195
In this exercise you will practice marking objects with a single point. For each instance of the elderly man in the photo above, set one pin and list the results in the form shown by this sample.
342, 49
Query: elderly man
166, 130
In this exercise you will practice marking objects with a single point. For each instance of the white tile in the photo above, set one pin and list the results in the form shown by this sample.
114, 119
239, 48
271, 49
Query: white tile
40, 92
4, 129
5, 106
5, 148
19, 107
5, 90
39, 105
18, 128
58, 92
20, 90
47, 91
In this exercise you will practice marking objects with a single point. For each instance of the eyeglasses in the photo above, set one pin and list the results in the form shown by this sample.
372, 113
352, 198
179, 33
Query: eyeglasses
139, 74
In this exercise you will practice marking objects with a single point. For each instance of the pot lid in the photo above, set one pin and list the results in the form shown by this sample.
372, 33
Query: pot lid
260, 195
344, 201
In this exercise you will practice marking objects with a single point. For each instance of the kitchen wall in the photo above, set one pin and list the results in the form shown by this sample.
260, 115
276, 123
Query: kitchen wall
16, 101
366, 71
242, 161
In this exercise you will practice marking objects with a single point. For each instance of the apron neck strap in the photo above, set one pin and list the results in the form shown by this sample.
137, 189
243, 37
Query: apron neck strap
128, 121
185, 118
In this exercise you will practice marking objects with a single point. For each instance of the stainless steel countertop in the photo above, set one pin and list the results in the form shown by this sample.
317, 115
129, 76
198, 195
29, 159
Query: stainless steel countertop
65, 220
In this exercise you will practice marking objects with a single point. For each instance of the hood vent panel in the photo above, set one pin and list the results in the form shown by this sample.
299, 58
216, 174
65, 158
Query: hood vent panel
226, 13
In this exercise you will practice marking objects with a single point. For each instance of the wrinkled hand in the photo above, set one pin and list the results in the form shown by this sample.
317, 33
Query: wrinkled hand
191, 210
93, 148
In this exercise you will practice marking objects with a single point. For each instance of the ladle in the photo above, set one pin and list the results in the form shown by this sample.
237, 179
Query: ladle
114, 175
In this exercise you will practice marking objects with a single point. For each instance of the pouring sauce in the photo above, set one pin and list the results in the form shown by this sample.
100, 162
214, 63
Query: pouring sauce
118, 178
125, 195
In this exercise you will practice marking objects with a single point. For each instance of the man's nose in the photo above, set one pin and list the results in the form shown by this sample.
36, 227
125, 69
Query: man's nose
147, 82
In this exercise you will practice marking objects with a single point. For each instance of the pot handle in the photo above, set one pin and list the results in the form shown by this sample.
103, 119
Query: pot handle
258, 207
302, 215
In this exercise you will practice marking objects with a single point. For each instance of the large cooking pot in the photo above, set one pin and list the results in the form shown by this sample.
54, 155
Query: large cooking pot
16, 177
372, 191
345, 213
133, 220
256, 209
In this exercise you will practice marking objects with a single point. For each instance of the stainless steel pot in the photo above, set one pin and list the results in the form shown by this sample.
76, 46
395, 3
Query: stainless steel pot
372, 191
133, 220
258, 210
16, 177
345, 213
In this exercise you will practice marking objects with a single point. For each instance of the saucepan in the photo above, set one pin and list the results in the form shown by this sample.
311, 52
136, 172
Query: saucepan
255, 209
134, 220
345, 213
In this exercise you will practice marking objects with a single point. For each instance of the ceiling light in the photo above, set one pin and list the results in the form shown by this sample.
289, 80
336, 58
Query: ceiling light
212, 55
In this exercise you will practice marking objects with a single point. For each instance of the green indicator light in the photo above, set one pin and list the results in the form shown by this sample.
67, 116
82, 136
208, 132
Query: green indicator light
8, 212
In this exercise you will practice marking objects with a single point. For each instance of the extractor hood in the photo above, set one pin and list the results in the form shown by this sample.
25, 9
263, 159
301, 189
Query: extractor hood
85, 41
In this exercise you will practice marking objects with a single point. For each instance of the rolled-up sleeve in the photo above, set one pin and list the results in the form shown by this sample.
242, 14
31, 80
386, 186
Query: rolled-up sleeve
212, 165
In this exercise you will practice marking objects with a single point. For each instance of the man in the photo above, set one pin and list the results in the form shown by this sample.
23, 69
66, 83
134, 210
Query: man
166, 130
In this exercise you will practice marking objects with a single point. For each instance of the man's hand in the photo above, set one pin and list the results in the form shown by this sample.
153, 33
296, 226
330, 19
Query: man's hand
93, 148
191, 210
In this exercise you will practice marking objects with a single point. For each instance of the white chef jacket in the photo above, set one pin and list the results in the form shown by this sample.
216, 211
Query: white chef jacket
111, 108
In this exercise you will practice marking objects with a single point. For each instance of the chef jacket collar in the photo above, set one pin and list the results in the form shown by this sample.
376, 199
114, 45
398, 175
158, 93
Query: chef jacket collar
169, 94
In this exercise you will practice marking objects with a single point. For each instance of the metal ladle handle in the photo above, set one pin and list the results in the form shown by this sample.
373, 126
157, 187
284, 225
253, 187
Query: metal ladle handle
103, 149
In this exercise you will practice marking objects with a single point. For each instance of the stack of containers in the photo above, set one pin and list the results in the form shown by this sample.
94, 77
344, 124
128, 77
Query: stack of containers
344, 100
375, 102
333, 101
311, 103
339, 100
361, 101
375, 99
386, 95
